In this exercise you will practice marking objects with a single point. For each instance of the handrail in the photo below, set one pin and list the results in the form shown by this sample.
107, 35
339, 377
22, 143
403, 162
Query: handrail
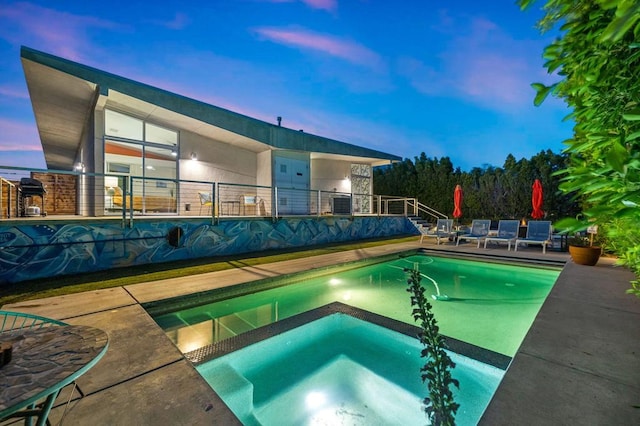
423, 208
140, 196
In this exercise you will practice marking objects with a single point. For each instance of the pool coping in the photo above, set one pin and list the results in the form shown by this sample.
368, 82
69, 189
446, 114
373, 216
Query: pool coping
227, 346
171, 304
168, 305
587, 318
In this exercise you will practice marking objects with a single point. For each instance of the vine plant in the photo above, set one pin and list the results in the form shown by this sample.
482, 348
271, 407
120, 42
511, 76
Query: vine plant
439, 405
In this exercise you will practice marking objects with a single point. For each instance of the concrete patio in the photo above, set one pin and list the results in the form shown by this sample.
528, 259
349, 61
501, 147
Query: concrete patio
578, 364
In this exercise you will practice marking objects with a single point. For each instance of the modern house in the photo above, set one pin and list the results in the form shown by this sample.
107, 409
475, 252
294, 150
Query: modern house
156, 176
100, 123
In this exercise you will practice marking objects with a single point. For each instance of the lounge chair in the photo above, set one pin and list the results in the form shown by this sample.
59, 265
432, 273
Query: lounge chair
538, 232
443, 229
479, 231
507, 233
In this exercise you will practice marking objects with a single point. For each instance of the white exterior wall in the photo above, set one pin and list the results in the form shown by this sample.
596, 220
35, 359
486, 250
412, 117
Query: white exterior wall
217, 162
327, 175
98, 132
264, 174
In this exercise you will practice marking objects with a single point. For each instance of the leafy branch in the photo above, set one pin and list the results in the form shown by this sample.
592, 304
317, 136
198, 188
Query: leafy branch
439, 405
597, 58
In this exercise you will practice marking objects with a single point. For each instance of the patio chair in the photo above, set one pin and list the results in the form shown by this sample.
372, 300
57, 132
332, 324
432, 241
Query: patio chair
205, 200
507, 233
10, 321
479, 231
443, 229
538, 232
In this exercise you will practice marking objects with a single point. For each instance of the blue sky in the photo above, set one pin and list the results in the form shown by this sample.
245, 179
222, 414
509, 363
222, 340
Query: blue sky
447, 78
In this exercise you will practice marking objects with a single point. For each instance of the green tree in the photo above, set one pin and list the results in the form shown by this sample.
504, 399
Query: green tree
597, 57
489, 192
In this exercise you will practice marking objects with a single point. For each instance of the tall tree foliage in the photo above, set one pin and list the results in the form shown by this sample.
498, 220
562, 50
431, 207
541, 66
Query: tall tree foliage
489, 192
597, 57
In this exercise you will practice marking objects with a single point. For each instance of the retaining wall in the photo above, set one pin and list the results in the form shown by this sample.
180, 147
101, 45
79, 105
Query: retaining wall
51, 248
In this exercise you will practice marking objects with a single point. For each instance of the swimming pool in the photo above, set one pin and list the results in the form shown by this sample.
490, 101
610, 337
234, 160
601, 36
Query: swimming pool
490, 305
340, 370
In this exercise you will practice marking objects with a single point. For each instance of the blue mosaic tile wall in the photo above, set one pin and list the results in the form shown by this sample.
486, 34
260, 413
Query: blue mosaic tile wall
30, 251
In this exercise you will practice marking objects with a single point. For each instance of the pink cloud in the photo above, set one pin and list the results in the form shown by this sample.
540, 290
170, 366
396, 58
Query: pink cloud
422, 77
491, 78
340, 48
483, 65
329, 5
178, 22
57, 32
18, 136
14, 92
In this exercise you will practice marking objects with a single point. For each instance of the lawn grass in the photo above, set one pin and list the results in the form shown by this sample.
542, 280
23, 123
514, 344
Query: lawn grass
69, 284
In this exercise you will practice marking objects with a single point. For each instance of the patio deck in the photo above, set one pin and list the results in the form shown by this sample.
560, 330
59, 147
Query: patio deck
577, 365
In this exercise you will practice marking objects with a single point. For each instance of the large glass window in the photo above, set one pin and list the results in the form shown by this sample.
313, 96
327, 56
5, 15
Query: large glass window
122, 126
158, 162
133, 147
160, 135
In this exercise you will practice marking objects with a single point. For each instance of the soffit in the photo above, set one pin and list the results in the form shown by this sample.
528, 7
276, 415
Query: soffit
62, 105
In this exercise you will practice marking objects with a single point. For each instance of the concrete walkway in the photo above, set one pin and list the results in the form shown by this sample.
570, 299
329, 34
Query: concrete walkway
580, 362
577, 365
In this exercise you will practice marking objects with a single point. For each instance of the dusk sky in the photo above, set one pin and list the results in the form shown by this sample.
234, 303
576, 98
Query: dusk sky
447, 78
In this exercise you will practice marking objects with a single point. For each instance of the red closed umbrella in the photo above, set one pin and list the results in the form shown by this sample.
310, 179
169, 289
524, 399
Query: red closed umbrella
457, 202
536, 200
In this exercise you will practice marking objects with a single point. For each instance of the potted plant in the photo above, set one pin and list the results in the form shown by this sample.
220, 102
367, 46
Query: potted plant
582, 250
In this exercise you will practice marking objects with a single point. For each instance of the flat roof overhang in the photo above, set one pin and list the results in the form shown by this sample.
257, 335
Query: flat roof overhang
65, 94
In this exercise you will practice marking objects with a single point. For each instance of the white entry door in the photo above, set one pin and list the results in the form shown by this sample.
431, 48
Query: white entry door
292, 180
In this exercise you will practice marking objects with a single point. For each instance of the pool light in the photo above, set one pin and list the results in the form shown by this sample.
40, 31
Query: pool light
315, 400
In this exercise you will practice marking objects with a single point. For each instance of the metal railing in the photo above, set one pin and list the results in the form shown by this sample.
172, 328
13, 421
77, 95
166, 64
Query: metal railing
76, 193
416, 208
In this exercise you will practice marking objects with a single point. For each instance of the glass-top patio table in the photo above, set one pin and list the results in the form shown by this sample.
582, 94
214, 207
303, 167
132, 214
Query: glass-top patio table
44, 361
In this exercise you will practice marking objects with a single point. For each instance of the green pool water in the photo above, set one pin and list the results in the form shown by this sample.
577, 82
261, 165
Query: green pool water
340, 370
489, 305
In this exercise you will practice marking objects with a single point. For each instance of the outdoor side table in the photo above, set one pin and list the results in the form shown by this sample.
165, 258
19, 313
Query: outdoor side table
44, 361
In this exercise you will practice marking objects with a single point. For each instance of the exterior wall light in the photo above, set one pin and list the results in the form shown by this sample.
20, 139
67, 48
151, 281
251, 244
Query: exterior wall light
194, 156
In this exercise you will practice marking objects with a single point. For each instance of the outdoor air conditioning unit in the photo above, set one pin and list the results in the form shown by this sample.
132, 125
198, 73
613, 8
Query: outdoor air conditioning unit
341, 205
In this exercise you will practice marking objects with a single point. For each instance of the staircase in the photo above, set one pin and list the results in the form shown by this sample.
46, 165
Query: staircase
422, 225
419, 223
